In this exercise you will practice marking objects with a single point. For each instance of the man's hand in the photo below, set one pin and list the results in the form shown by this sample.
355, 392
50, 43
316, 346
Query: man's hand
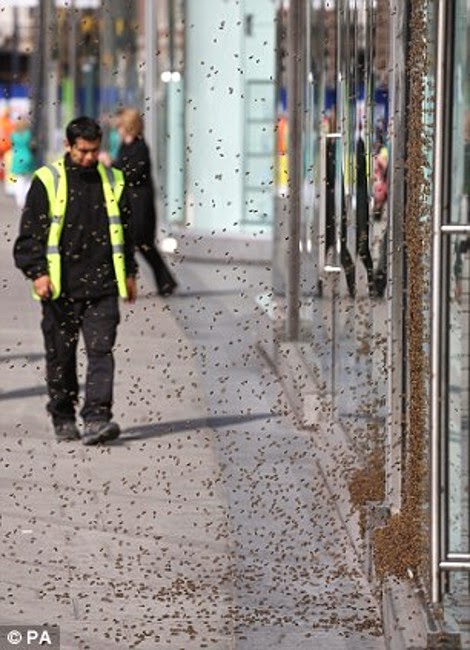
43, 287
131, 285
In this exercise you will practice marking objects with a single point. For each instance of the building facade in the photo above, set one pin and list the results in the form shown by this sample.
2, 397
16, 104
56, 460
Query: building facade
370, 248
190, 65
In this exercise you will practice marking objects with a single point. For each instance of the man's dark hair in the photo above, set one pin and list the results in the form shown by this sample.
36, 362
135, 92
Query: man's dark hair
83, 127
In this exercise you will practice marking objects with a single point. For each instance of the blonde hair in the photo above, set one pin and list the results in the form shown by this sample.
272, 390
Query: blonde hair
131, 121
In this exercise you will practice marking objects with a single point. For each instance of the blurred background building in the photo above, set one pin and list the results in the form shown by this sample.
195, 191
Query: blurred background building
188, 65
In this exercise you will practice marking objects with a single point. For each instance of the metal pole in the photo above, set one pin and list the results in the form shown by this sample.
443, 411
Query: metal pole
36, 74
150, 39
171, 35
52, 77
106, 65
46, 112
437, 305
15, 61
72, 60
295, 34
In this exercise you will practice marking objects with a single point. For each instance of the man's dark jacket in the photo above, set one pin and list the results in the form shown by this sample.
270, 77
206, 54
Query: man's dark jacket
86, 256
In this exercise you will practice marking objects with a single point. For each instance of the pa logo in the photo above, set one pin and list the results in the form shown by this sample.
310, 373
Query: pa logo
30, 637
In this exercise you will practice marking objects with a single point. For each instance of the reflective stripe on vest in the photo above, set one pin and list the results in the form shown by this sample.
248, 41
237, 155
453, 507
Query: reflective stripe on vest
113, 185
54, 179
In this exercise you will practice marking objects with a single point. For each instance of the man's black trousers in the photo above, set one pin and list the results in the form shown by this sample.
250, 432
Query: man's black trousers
62, 322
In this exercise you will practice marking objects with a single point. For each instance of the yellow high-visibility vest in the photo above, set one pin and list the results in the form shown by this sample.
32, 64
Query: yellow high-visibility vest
54, 179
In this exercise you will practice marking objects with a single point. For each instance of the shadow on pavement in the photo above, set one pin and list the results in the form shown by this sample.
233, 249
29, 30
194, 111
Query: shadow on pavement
29, 356
24, 393
176, 426
204, 293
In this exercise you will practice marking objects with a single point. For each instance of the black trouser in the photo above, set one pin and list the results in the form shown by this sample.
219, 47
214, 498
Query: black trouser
163, 278
62, 321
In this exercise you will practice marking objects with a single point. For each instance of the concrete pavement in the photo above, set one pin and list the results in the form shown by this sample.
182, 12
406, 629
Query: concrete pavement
213, 522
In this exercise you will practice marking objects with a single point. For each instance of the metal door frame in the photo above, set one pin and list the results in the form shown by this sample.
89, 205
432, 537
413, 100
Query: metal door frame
441, 559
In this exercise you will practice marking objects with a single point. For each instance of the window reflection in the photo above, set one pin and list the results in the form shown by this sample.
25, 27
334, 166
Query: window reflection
460, 204
458, 386
457, 433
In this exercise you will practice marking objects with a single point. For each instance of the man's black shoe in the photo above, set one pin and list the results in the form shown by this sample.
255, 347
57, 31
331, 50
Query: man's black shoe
167, 289
66, 430
97, 431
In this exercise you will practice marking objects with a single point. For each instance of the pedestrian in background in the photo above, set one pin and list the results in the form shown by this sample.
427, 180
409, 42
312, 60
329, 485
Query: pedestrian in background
23, 160
75, 247
133, 158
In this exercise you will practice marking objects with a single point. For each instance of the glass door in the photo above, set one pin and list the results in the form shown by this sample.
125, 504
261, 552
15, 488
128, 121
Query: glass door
333, 314
359, 373
324, 227
347, 79
454, 298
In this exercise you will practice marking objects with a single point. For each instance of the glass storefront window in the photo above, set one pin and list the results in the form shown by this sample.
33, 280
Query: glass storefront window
458, 386
455, 448
344, 226
460, 169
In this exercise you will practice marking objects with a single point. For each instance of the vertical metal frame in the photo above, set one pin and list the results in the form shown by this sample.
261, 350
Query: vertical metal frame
436, 299
150, 82
441, 559
440, 120
296, 55
395, 255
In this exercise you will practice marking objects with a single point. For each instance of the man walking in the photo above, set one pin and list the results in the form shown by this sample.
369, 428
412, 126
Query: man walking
74, 245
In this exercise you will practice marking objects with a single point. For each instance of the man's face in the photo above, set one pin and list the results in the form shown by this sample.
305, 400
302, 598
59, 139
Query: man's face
84, 152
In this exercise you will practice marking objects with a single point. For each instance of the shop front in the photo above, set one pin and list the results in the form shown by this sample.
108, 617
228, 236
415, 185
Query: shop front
372, 261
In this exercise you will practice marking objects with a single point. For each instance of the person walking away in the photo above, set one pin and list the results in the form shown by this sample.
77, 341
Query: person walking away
134, 159
74, 245
23, 162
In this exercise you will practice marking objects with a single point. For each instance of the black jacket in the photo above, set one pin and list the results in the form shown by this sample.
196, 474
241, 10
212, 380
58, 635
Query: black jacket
85, 247
134, 160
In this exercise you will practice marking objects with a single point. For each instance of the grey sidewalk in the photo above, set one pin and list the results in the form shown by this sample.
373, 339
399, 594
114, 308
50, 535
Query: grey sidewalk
210, 523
